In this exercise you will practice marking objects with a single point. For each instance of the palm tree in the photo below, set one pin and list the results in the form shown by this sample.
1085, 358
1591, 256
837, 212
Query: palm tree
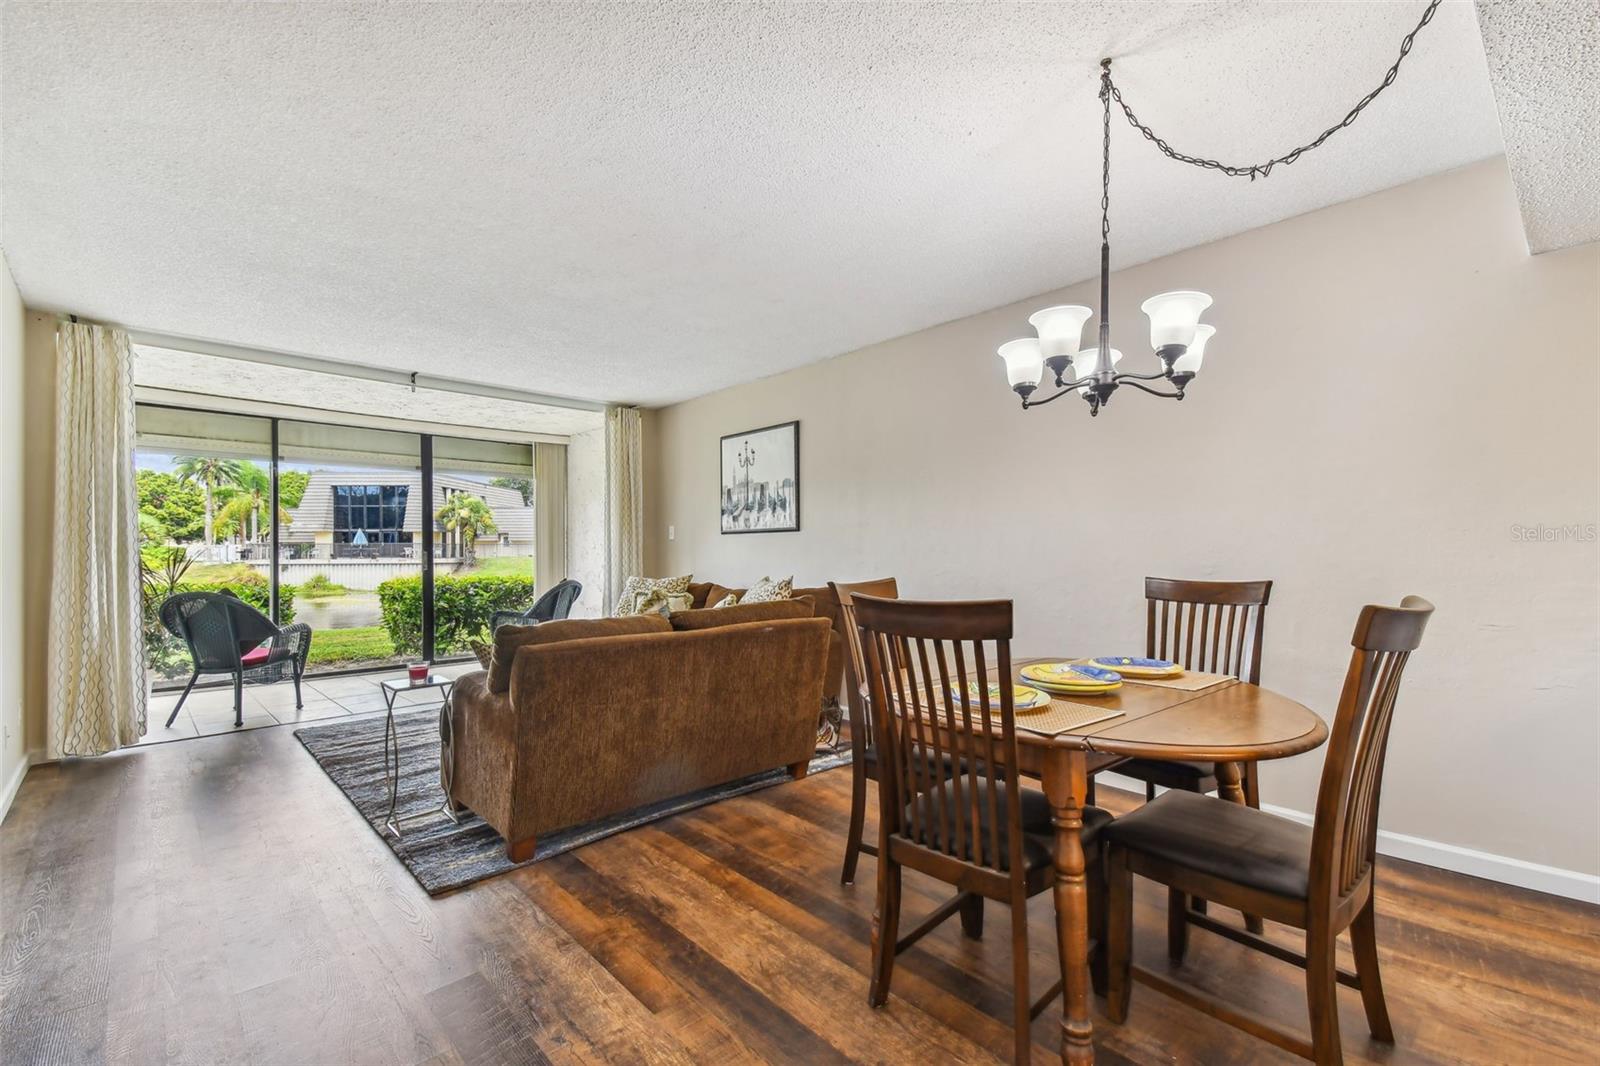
468, 517
210, 473
255, 486
244, 513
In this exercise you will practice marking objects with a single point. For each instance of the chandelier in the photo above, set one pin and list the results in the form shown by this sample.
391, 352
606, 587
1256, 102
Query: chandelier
1177, 335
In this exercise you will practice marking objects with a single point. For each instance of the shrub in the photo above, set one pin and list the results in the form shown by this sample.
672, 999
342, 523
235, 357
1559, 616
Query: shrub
320, 585
164, 652
463, 606
253, 590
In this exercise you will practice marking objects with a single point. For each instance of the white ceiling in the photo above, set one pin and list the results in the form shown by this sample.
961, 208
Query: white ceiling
641, 203
1544, 63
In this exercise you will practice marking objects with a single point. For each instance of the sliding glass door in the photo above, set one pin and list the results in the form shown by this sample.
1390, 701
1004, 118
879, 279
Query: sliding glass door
391, 546
204, 485
350, 545
483, 495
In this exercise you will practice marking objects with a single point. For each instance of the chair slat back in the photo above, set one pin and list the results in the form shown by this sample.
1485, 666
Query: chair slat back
556, 603
1210, 626
855, 670
928, 674
1345, 836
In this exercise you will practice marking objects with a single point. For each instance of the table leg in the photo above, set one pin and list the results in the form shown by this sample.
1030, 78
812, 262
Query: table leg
1228, 782
447, 761
1230, 788
1065, 784
391, 762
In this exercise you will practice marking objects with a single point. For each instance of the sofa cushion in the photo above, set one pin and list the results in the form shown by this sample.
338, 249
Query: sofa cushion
827, 606
715, 593
635, 587
508, 639
711, 617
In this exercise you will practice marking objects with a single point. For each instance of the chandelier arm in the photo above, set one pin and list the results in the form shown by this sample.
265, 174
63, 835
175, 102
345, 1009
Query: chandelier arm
1159, 375
1153, 392
1074, 387
1262, 170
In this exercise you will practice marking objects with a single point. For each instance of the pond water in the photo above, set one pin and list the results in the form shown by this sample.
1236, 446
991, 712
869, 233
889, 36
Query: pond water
350, 611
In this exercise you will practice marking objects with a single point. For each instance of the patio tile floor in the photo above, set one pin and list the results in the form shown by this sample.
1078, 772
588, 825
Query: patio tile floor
209, 711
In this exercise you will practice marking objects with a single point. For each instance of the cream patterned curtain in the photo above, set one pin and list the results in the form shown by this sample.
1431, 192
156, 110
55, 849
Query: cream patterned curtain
550, 514
97, 688
624, 498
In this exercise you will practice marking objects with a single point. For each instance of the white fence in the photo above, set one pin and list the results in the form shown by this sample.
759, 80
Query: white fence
363, 574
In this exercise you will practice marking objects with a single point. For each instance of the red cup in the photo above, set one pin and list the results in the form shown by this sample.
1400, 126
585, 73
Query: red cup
417, 671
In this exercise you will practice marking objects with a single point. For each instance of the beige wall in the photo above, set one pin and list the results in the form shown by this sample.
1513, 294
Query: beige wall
13, 753
1357, 435
38, 520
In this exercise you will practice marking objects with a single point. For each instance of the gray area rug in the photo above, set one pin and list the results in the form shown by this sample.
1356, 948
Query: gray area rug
442, 855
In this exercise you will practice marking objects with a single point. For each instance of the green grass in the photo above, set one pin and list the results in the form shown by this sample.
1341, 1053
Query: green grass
358, 645
501, 567
223, 573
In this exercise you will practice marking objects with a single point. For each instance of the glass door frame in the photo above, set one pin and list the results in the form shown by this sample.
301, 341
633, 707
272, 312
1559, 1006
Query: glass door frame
425, 462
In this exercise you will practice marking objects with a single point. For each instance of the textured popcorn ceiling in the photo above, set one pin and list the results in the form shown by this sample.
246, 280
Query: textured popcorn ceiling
645, 202
1544, 63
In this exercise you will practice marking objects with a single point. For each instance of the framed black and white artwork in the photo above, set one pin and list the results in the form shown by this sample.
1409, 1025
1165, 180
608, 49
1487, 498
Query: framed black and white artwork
761, 480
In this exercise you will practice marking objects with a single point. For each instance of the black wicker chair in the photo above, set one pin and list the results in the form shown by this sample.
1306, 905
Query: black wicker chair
553, 605
225, 635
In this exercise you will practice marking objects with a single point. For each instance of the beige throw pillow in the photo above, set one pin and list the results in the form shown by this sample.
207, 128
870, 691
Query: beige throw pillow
663, 603
766, 590
635, 587
730, 600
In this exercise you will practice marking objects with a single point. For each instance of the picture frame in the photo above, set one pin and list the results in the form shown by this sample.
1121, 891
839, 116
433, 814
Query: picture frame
760, 480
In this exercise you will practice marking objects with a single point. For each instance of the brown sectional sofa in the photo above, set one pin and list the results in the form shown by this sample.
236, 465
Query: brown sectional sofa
824, 604
580, 719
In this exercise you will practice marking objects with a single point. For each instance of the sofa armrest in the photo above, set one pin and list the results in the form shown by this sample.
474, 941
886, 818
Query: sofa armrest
483, 728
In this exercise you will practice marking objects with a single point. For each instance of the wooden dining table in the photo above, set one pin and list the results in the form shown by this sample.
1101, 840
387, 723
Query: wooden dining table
1228, 723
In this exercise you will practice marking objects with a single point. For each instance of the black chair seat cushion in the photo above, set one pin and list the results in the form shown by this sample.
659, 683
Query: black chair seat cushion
871, 759
1168, 774
936, 808
1222, 839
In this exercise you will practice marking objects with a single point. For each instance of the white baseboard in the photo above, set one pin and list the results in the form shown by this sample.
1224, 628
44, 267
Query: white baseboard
1507, 871
8, 791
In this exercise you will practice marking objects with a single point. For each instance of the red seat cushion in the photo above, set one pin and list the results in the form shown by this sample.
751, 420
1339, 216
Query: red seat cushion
256, 656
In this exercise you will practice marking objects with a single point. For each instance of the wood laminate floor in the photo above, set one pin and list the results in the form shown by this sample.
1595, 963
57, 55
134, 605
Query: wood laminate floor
216, 901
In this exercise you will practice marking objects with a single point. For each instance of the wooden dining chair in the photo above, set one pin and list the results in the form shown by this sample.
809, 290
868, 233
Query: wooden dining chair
1209, 626
863, 752
944, 807
1319, 879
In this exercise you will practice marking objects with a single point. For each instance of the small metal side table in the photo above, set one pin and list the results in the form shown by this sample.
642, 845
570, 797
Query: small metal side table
391, 743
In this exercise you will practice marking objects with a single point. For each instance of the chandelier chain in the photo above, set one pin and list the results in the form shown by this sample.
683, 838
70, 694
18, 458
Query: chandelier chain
1255, 170
1106, 89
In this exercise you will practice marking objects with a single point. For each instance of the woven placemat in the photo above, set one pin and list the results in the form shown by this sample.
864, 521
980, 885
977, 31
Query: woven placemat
1065, 716
1188, 682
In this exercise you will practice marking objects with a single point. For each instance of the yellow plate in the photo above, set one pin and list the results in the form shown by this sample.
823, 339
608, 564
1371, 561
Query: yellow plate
1024, 700
1129, 666
1062, 690
1071, 675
